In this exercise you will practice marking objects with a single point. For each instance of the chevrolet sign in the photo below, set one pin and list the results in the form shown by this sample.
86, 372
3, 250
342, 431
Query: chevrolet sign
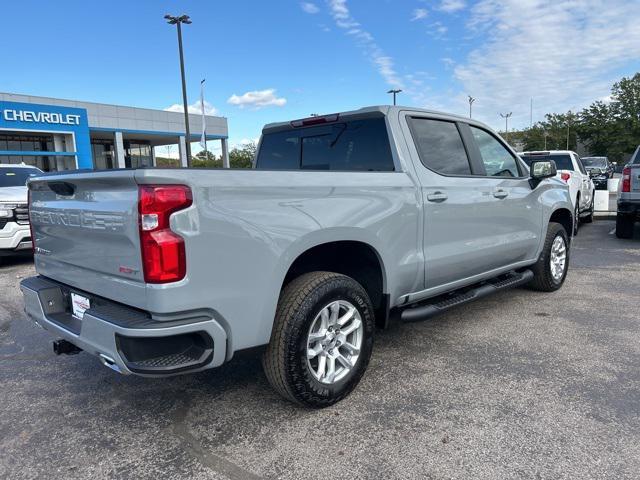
12, 115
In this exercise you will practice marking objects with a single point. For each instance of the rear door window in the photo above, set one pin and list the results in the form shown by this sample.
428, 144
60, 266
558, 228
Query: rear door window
497, 160
357, 145
440, 146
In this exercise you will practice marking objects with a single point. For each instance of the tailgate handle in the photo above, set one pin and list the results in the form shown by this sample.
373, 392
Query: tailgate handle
64, 189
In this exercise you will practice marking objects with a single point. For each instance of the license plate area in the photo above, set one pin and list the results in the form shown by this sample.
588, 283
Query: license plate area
79, 304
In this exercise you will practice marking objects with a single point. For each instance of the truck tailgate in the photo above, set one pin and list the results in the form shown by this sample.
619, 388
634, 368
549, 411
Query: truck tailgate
85, 228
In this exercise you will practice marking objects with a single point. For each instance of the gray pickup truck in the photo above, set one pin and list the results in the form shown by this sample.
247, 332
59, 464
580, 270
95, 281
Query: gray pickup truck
629, 197
347, 221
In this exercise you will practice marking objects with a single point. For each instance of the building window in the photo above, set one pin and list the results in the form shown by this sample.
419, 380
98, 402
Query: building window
103, 152
137, 154
26, 142
49, 163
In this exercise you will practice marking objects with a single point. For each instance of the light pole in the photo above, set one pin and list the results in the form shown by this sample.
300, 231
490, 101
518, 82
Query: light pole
178, 21
506, 123
395, 92
471, 100
567, 135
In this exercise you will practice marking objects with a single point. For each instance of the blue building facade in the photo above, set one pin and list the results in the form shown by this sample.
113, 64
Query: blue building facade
56, 134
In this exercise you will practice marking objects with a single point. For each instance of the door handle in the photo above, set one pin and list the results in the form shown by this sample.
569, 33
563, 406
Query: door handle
437, 197
500, 193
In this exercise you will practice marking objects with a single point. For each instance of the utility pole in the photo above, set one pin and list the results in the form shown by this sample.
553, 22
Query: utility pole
471, 100
531, 113
506, 123
395, 92
567, 134
545, 139
178, 21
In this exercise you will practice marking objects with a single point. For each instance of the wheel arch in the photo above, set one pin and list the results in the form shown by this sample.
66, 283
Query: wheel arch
354, 258
564, 217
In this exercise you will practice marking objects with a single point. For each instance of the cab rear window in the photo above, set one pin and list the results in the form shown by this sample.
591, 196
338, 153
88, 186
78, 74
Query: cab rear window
357, 145
563, 161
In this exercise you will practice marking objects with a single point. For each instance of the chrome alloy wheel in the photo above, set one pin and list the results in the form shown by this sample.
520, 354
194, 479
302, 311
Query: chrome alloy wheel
334, 341
558, 258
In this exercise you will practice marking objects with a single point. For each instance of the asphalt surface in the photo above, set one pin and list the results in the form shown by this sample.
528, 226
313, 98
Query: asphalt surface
518, 385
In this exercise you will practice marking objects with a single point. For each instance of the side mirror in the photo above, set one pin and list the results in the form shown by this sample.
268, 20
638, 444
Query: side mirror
541, 169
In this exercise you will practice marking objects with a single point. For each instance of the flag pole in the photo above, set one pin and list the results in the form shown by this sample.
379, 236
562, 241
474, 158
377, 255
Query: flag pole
203, 140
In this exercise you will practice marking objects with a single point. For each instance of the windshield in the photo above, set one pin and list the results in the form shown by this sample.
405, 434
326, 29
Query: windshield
563, 160
594, 162
16, 177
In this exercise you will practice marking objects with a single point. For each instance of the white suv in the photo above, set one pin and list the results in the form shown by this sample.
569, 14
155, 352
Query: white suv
572, 172
15, 234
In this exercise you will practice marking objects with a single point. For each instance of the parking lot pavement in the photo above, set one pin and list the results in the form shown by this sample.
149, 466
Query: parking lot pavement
518, 385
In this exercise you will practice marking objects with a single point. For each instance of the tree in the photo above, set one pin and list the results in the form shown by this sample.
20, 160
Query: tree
206, 160
242, 157
614, 129
551, 134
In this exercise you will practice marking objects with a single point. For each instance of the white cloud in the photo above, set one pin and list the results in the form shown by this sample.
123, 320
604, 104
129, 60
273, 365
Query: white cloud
568, 57
309, 7
194, 108
451, 6
383, 63
418, 14
257, 99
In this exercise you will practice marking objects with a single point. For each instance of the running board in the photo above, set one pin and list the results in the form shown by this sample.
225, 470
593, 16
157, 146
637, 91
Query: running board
439, 304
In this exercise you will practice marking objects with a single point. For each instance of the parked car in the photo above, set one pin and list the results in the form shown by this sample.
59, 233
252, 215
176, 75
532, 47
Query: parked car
600, 170
15, 236
629, 197
573, 173
347, 221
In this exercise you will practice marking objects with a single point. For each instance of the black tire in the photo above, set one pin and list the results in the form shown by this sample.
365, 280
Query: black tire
589, 218
624, 226
576, 216
543, 280
285, 359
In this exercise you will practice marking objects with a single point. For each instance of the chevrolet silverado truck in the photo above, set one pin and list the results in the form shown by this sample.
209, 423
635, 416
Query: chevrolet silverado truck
15, 235
347, 222
629, 197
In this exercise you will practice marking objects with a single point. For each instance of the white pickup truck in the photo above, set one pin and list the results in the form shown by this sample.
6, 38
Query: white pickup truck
347, 221
573, 173
15, 235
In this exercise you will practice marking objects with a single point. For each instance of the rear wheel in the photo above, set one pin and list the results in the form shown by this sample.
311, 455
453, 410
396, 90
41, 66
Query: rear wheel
624, 226
576, 216
589, 217
552, 266
322, 339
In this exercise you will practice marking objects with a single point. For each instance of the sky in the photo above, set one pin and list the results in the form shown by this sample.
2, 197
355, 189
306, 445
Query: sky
276, 60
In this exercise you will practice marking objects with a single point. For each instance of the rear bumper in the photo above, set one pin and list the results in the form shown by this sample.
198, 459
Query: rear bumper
125, 339
14, 238
629, 207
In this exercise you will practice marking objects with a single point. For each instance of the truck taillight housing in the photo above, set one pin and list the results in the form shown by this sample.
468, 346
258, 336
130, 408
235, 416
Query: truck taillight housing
626, 180
565, 176
163, 252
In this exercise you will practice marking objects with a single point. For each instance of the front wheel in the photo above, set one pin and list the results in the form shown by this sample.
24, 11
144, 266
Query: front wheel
552, 266
321, 340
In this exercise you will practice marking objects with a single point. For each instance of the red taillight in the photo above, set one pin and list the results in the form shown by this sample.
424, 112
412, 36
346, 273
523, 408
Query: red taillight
626, 179
565, 177
163, 253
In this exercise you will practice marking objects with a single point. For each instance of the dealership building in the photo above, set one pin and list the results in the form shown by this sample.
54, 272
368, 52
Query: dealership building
55, 134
